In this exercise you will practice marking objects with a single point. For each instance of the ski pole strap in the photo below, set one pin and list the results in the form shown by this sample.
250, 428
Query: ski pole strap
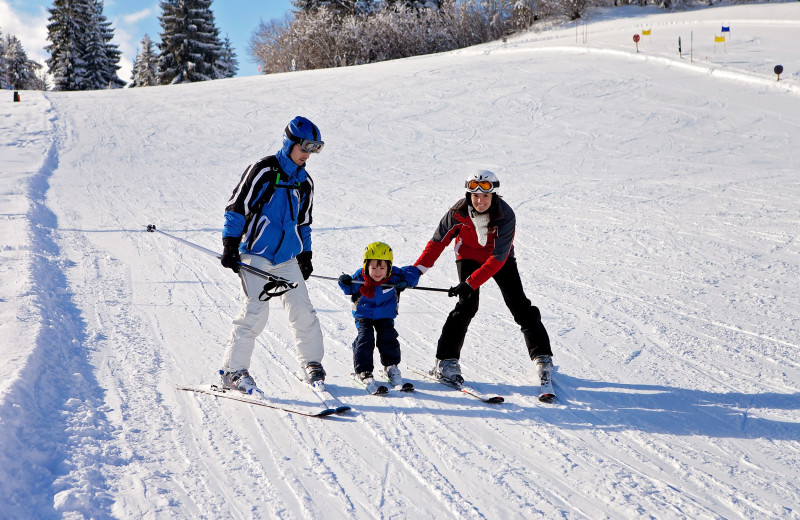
275, 288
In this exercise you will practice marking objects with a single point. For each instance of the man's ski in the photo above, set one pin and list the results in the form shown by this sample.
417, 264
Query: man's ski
261, 400
493, 399
546, 392
371, 386
325, 397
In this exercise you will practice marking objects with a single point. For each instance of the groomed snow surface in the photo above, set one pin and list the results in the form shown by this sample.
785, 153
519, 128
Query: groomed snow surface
657, 218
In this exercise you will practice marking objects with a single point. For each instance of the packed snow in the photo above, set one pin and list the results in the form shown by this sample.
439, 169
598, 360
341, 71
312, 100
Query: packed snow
657, 211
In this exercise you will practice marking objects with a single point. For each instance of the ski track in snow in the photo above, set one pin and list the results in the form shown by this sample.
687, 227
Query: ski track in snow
657, 215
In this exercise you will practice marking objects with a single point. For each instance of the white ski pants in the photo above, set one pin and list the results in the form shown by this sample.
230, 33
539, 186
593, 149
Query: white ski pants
251, 321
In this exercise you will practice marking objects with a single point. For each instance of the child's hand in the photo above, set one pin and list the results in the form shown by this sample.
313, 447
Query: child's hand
401, 286
346, 279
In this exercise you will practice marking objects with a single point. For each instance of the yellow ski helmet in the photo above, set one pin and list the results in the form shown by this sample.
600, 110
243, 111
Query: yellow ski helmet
378, 251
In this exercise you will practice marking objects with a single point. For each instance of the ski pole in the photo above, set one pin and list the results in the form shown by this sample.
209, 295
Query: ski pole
278, 281
384, 285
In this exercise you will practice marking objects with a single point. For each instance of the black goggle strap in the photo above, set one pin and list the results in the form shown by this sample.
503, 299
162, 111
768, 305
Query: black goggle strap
316, 146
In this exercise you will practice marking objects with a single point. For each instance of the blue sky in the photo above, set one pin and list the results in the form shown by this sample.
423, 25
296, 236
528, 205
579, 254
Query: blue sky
131, 19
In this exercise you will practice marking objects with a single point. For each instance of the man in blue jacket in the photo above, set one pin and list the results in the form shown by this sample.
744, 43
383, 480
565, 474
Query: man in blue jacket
267, 225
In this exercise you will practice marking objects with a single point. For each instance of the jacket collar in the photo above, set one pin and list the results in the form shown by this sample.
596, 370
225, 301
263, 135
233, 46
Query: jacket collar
295, 173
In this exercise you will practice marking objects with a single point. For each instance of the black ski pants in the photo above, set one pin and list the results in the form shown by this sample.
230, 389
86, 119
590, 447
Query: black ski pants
384, 336
526, 315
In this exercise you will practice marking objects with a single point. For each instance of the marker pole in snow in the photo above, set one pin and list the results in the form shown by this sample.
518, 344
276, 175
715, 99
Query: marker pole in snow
275, 285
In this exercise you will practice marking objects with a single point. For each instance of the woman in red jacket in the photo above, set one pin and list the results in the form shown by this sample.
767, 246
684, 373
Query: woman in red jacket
482, 226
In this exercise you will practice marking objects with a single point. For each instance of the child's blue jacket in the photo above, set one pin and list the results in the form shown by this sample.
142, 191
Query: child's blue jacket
384, 303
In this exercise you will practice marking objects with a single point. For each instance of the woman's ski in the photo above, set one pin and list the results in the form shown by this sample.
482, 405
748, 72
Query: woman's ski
492, 399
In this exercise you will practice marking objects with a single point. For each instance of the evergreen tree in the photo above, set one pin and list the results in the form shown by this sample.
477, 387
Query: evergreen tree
16, 70
3, 80
190, 45
111, 51
66, 31
82, 56
228, 65
145, 65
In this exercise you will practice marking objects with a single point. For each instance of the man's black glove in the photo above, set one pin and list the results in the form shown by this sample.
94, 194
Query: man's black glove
346, 279
230, 253
462, 290
304, 261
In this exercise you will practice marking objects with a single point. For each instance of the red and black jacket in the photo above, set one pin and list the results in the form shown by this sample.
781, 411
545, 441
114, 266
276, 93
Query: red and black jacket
457, 225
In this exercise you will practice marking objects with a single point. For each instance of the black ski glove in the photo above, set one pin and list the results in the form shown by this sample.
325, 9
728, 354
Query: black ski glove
462, 290
304, 261
346, 279
230, 253
401, 286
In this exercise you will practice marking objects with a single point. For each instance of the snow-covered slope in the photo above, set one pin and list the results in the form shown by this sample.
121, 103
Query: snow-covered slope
656, 201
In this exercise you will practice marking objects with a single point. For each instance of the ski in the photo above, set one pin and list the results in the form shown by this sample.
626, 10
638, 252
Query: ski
492, 399
370, 385
546, 392
325, 397
261, 400
398, 385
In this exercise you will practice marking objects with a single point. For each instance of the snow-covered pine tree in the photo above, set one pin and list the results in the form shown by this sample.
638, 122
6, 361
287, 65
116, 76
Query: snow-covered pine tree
228, 65
109, 68
190, 46
3, 79
16, 70
66, 32
145, 65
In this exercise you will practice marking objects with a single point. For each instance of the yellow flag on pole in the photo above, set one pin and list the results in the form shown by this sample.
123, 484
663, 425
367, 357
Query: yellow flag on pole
646, 33
719, 39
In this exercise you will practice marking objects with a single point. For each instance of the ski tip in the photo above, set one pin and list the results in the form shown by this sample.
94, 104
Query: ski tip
407, 387
343, 409
326, 412
547, 398
495, 400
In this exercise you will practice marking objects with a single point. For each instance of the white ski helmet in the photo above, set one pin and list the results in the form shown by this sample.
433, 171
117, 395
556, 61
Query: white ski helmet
482, 181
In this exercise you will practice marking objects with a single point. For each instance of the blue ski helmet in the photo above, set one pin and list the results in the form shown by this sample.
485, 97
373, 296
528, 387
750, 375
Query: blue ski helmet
303, 132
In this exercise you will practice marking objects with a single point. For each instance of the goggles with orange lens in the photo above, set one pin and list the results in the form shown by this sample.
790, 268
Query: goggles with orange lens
484, 186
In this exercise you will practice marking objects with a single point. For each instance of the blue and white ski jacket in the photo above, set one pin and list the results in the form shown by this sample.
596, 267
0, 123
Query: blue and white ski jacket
270, 209
384, 303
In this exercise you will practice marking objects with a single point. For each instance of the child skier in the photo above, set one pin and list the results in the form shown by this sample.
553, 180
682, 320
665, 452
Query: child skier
375, 307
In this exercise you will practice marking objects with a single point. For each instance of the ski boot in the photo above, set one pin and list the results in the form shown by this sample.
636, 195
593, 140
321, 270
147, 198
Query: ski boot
448, 369
239, 380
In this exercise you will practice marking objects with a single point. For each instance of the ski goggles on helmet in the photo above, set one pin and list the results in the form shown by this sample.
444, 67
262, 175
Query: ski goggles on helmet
484, 186
309, 146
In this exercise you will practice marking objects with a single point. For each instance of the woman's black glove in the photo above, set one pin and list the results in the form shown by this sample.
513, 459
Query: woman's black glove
304, 261
230, 253
346, 279
462, 290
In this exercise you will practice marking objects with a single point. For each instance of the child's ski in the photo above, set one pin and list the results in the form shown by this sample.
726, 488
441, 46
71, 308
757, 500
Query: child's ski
259, 400
397, 382
492, 399
371, 385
